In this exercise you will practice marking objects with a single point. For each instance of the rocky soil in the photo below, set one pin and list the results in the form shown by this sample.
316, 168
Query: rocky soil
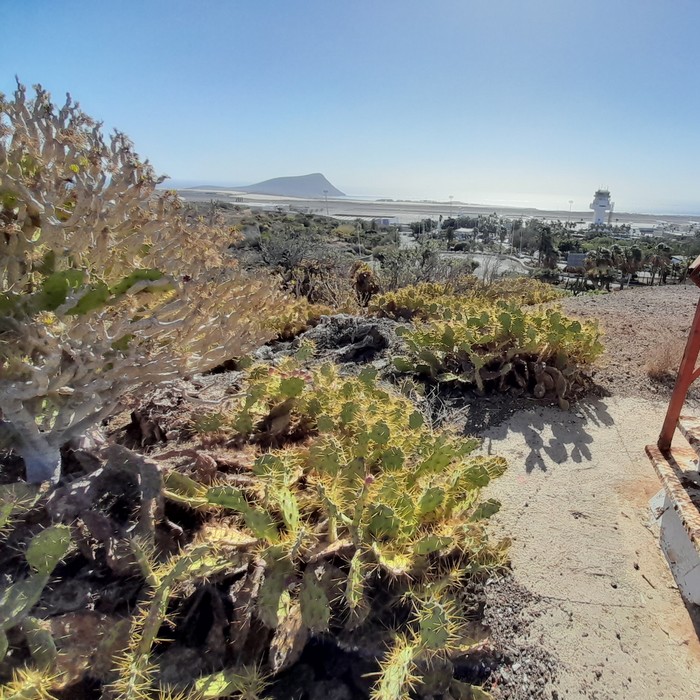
639, 324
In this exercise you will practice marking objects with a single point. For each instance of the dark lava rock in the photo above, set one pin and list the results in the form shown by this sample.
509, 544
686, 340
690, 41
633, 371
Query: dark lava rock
343, 339
330, 690
353, 338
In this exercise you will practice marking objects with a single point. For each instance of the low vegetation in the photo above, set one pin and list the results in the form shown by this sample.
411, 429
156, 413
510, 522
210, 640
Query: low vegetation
663, 361
360, 523
98, 295
488, 341
308, 506
434, 300
295, 316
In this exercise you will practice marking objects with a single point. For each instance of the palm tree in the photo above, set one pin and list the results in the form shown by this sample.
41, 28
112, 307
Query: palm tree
660, 261
627, 260
600, 267
548, 254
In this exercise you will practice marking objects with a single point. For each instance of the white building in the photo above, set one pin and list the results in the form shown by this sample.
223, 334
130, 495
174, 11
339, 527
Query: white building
645, 230
600, 205
384, 221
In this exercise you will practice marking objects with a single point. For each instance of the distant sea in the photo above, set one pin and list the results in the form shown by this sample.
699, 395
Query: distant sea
546, 204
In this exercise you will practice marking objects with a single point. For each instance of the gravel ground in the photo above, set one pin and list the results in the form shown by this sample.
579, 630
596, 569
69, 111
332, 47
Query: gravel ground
527, 669
605, 619
639, 323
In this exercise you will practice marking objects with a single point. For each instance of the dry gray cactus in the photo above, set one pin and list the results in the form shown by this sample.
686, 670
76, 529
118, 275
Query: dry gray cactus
105, 283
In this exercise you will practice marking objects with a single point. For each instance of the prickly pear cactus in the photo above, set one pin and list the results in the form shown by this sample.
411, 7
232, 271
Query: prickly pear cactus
478, 339
372, 511
315, 607
274, 598
431, 499
434, 625
47, 548
15, 499
43, 554
383, 521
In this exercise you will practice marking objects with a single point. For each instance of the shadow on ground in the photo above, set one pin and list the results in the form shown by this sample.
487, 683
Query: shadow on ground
552, 435
694, 614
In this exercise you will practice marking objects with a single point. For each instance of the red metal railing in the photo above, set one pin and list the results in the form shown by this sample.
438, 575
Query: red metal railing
687, 373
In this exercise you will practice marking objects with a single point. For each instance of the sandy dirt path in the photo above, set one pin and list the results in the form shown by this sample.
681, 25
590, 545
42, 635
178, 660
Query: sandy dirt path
575, 500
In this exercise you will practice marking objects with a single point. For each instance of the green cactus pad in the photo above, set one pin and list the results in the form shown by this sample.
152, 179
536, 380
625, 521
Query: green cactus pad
432, 543
315, 608
274, 598
383, 521
431, 499
289, 508
486, 509
434, 625
48, 548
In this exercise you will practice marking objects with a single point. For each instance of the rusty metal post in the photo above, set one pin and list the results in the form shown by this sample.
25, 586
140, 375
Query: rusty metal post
686, 372
686, 376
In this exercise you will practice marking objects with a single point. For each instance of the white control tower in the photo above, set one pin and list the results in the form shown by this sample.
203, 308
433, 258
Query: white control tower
600, 204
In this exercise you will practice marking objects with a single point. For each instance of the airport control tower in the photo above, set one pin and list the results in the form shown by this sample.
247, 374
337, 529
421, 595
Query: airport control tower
600, 204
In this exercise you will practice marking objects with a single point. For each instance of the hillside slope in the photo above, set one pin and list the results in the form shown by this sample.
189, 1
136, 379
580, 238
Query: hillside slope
314, 186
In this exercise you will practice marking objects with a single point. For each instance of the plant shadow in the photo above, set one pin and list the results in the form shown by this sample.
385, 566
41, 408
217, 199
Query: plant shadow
552, 435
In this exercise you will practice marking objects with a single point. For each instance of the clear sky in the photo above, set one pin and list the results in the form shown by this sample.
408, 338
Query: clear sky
528, 102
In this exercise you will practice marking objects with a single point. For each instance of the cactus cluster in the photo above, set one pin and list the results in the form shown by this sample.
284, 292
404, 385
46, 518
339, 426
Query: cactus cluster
137, 672
98, 297
355, 521
429, 300
45, 551
469, 340
359, 514
295, 316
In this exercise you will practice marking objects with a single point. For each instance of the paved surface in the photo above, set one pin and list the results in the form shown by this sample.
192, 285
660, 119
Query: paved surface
575, 499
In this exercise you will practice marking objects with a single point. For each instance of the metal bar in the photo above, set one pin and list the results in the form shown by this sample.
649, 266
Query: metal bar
686, 376
696, 374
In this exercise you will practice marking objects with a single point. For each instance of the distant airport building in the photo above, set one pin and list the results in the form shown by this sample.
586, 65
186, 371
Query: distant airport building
601, 204
644, 230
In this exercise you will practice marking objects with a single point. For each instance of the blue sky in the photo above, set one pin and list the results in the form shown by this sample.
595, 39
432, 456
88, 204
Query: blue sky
530, 102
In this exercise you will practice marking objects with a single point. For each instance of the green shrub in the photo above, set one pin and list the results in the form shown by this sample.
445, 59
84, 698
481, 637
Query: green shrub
431, 300
295, 316
98, 294
546, 274
503, 347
